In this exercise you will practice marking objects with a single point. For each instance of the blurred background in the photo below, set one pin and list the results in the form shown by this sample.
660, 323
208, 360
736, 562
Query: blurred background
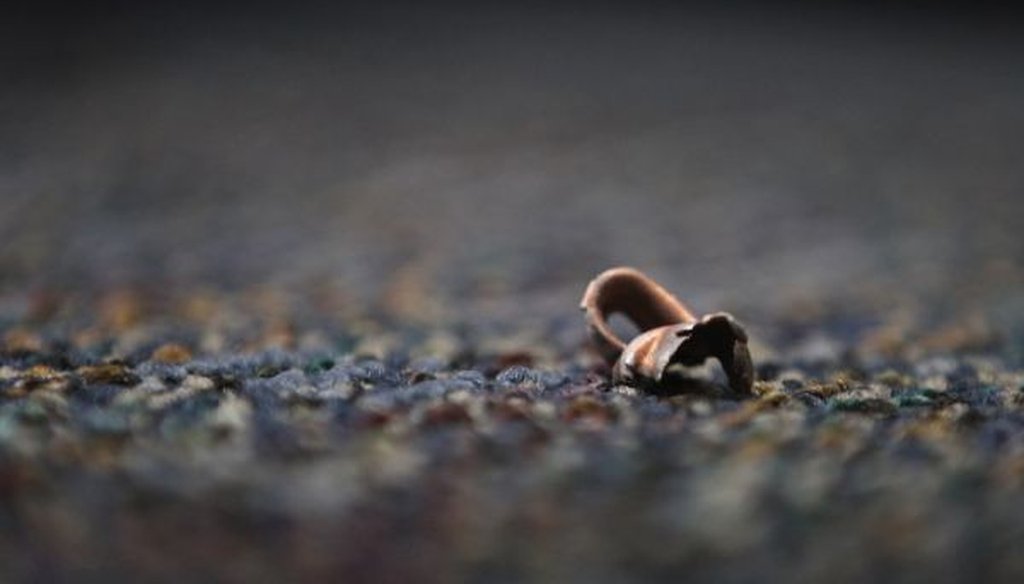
747, 154
290, 290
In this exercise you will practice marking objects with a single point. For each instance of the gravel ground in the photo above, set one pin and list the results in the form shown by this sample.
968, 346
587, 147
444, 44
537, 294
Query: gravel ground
294, 294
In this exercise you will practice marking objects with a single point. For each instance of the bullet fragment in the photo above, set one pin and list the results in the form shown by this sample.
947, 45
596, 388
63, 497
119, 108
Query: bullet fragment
669, 332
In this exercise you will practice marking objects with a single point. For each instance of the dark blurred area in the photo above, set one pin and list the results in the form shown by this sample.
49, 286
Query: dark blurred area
744, 150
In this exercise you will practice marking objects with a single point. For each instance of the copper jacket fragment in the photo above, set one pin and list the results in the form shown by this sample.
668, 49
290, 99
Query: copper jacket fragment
669, 333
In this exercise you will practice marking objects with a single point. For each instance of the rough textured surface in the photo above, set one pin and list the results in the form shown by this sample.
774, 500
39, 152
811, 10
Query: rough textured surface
295, 295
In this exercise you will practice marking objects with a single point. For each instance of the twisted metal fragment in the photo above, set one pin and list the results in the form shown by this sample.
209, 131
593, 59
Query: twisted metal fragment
669, 333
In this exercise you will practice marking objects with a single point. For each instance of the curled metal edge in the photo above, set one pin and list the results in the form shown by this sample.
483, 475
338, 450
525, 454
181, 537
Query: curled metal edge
629, 292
